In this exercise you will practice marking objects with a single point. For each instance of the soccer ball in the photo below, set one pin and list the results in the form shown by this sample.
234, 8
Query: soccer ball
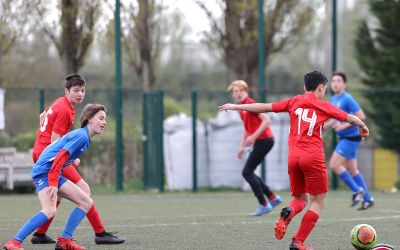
382, 247
363, 237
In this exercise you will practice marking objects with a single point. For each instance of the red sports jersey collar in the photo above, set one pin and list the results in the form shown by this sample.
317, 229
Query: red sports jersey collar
68, 103
310, 93
246, 100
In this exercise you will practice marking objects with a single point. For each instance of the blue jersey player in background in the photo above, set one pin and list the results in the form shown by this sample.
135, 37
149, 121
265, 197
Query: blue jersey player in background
344, 159
49, 182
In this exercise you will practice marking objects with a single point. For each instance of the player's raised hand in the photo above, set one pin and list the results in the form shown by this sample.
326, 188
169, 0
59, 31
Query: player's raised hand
364, 131
226, 107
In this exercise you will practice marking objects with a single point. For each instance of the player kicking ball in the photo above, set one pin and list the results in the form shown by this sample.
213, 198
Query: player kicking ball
306, 160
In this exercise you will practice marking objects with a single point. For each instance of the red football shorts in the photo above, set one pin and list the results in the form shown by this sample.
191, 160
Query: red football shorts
71, 174
307, 175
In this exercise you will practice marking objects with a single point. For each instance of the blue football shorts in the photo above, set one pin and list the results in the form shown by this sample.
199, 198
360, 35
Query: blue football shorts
43, 182
347, 149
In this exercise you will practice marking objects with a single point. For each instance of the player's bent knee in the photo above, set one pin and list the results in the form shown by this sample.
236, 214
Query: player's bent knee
50, 212
84, 186
86, 204
332, 165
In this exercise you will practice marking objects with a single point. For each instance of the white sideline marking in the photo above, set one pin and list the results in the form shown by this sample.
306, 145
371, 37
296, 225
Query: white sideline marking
194, 223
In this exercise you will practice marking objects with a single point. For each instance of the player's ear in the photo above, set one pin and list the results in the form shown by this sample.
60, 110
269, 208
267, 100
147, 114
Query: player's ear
66, 91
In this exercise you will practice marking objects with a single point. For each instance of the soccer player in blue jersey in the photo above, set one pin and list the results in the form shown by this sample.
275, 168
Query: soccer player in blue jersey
49, 182
344, 159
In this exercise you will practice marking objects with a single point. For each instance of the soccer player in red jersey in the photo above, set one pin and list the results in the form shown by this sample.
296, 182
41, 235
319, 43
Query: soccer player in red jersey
55, 122
258, 135
306, 159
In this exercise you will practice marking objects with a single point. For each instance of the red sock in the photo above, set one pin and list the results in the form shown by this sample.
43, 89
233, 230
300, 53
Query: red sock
297, 205
271, 197
94, 219
264, 204
308, 222
45, 227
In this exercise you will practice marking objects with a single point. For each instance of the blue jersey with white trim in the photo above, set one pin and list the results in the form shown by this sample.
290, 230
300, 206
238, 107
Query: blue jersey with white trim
347, 103
75, 142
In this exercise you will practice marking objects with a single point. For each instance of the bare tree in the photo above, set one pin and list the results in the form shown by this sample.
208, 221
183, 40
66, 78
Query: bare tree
12, 20
141, 39
77, 19
237, 35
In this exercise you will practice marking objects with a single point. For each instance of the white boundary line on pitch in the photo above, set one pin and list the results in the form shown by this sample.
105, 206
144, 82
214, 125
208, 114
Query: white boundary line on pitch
194, 223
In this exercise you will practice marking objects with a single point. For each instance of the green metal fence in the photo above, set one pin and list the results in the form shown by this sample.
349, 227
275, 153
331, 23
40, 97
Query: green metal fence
143, 119
153, 159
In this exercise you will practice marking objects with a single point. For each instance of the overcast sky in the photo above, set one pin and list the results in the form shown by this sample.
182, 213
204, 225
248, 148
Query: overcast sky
193, 14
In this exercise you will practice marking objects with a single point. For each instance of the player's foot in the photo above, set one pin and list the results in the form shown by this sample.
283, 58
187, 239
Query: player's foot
261, 210
366, 205
12, 245
283, 222
357, 197
276, 201
108, 238
39, 238
298, 245
67, 244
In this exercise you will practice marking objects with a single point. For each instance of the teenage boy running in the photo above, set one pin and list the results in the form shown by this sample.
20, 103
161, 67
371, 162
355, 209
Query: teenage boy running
306, 160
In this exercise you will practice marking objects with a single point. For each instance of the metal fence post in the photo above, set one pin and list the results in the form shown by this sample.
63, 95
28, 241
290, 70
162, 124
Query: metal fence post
160, 130
194, 140
145, 140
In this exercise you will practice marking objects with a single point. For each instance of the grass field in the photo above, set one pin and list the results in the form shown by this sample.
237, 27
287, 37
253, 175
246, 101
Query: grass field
207, 220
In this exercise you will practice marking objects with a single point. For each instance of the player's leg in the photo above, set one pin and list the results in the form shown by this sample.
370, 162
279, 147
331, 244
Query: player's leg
101, 236
368, 200
338, 165
48, 211
274, 199
316, 184
254, 159
308, 221
40, 237
299, 201
83, 203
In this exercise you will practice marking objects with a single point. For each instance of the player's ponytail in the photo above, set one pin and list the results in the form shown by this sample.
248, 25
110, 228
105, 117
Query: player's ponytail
89, 112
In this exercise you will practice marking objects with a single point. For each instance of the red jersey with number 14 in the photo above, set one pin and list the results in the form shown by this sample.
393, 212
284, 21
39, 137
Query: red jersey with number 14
58, 118
307, 116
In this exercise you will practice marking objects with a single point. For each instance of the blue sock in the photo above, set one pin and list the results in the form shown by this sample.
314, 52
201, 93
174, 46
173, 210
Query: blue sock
31, 225
73, 221
359, 179
348, 180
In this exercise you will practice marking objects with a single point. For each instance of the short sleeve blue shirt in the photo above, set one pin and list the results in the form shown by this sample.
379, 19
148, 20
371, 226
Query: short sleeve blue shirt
347, 103
75, 142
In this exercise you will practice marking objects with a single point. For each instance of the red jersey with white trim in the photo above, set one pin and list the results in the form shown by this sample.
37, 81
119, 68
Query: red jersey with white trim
252, 122
307, 116
58, 118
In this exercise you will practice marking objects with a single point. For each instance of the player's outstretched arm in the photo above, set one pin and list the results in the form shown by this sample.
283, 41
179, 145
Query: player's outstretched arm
253, 107
355, 121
